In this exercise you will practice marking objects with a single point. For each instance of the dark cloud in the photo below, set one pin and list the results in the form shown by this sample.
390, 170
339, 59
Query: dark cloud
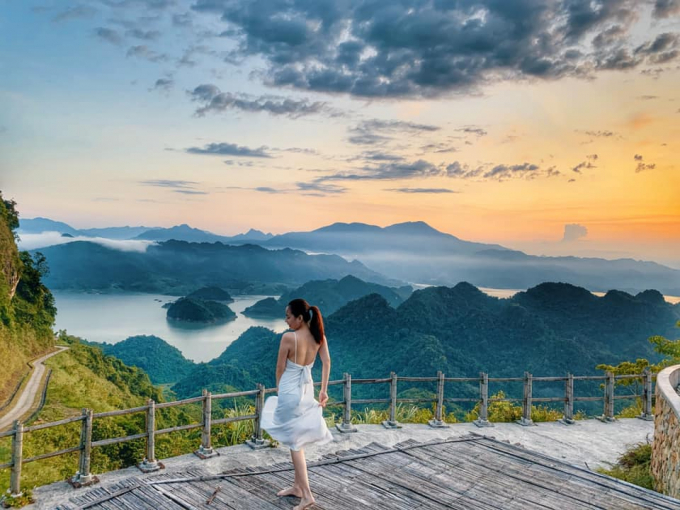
154, 5
418, 48
473, 131
190, 192
380, 156
439, 148
168, 183
320, 188
108, 35
145, 35
422, 190
574, 231
76, 12
502, 172
599, 133
230, 149
666, 8
144, 52
582, 166
231, 162
592, 156
388, 171
376, 131
642, 166
647, 98
215, 101
164, 84
182, 20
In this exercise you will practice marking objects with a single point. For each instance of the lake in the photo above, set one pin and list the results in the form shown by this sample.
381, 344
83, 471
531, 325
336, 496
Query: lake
115, 317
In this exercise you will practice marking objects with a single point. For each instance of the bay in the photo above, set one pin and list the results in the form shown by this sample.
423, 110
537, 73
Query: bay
114, 317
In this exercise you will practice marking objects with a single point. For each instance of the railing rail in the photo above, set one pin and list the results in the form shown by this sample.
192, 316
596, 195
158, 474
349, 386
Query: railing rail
150, 463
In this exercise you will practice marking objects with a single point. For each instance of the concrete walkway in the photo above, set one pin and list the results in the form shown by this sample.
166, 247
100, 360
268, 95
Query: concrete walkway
25, 401
589, 444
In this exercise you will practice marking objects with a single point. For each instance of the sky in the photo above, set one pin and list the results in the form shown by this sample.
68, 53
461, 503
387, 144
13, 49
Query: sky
550, 126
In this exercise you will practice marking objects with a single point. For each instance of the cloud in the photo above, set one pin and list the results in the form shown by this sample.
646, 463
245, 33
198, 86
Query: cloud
109, 35
76, 12
641, 166
182, 20
647, 98
383, 49
167, 183
438, 148
584, 165
190, 192
599, 133
376, 131
499, 172
320, 188
215, 101
422, 190
164, 84
45, 239
145, 35
388, 171
573, 232
144, 52
592, 156
231, 162
473, 130
230, 149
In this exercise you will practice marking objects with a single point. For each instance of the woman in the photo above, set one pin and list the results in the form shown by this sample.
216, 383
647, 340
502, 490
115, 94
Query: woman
294, 418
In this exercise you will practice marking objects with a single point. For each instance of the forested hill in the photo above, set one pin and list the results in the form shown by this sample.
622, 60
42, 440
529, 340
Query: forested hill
26, 306
328, 295
179, 266
550, 329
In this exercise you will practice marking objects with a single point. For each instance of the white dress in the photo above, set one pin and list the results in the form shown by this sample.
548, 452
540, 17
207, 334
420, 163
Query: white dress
295, 418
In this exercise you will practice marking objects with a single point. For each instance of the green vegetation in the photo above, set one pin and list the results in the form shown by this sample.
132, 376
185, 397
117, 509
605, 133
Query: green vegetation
26, 306
634, 466
211, 294
197, 310
160, 360
328, 295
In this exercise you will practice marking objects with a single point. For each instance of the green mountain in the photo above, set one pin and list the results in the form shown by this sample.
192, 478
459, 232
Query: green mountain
328, 295
27, 308
551, 329
178, 267
198, 310
163, 362
211, 294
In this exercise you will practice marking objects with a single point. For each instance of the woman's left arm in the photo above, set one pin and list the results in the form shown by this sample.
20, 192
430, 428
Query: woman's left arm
284, 348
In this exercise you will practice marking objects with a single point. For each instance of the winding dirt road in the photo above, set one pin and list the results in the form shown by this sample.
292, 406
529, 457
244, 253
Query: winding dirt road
25, 401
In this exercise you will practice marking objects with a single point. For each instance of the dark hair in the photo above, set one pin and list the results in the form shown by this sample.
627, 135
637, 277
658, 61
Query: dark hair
301, 307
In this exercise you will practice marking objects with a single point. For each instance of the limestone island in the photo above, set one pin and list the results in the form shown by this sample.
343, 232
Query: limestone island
193, 310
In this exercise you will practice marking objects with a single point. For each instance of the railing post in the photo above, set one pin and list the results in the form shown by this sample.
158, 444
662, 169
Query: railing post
150, 463
17, 459
205, 451
346, 425
392, 423
647, 396
608, 415
83, 477
527, 401
257, 441
438, 421
568, 418
483, 418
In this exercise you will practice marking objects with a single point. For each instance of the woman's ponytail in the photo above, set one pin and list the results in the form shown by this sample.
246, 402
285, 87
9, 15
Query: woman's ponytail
316, 324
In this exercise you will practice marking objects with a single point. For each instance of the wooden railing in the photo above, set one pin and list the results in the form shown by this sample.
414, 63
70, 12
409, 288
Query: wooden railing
150, 463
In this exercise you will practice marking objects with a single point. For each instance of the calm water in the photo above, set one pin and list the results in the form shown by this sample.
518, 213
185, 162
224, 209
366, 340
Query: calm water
112, 318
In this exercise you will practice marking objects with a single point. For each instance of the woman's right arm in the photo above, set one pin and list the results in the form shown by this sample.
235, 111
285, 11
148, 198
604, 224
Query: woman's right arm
284, 348
325, 356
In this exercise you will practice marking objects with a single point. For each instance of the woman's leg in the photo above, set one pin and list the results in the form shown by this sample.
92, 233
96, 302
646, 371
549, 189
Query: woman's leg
295, 490
302, 480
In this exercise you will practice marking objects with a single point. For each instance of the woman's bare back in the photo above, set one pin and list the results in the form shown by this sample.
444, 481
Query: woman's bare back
306, 348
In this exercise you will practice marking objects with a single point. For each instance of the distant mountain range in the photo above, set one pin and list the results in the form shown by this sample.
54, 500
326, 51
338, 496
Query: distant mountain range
180, 232
417, 253
178, 267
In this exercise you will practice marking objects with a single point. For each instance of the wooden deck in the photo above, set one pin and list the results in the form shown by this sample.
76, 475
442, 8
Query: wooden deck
471, 472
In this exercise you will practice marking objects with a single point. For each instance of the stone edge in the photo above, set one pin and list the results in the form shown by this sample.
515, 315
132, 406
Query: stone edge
667, 381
